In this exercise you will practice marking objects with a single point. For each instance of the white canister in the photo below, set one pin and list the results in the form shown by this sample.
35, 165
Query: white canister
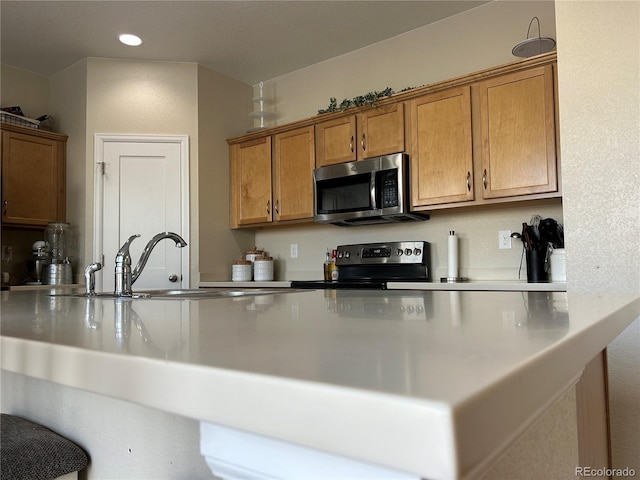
251, 255
558, 265
263, 269
241, 271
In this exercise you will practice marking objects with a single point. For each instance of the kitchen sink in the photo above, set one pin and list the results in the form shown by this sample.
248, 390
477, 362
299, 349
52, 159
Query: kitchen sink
209, 293
197, 293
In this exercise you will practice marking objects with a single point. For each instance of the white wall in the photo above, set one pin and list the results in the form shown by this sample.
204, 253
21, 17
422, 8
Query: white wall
123, 440
599, 83
471, 41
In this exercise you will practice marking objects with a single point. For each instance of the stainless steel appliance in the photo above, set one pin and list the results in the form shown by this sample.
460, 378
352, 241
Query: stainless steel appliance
365, 192
58, 271
372, 265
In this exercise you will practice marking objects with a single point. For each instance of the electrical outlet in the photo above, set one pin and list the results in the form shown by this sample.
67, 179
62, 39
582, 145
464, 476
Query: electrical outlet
293, 250
504, 239
7, 253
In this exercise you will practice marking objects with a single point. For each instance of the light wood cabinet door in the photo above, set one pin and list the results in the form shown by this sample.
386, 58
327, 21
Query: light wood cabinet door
380, 131
335, 141
251, 182
33, 177
293, 164
374, 132
441, 148
518, 134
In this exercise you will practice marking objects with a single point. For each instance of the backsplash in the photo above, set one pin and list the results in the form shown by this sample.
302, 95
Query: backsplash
480, 257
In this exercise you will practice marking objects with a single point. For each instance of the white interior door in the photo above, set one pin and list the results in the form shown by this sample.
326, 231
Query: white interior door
142, 188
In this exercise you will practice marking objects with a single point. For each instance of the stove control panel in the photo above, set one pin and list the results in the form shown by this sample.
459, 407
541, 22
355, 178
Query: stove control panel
383, 253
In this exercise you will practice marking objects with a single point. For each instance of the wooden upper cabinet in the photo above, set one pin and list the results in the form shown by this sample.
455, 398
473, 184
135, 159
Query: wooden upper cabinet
336, 141
370, 133
293, 164
250, 175
380, 131
33, 176
441, 148
517, 123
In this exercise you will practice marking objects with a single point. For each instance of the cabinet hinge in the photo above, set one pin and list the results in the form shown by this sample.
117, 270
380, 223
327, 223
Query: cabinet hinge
101, 166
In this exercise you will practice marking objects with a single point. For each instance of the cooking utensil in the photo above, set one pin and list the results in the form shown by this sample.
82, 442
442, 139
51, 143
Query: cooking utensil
526, 236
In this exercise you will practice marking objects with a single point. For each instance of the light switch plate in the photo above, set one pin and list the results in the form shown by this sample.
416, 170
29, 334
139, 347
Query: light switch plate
293, 250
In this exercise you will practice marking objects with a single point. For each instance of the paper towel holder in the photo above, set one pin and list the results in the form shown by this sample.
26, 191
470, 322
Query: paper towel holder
452, 270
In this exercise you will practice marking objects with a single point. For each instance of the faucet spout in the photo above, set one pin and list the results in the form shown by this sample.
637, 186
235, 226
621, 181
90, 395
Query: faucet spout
179, 241
124, 275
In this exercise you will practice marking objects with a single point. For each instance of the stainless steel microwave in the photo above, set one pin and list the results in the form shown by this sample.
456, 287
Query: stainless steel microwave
371, 191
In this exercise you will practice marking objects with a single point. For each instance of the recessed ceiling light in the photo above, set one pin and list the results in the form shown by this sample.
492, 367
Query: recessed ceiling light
131, 40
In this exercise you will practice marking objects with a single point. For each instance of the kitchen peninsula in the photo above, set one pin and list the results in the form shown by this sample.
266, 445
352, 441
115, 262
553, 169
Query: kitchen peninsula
429, 384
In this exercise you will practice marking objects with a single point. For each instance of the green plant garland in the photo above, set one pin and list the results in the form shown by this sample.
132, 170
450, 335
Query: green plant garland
368, 99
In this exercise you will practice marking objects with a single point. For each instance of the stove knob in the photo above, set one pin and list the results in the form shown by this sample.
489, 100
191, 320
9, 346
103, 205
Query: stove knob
400, 252
417, 251
346, 254
407, 251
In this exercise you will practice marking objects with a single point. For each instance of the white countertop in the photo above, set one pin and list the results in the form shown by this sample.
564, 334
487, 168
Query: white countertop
430, 382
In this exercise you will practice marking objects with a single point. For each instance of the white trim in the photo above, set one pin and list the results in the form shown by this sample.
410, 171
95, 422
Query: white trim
100, 139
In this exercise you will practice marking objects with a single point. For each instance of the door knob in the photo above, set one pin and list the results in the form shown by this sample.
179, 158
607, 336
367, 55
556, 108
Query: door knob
173, 278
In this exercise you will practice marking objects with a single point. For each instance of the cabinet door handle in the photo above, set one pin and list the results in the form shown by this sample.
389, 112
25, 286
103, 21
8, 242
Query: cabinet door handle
484, 178
362, 143
268, 207
277, 206
351, 144
173, 278
6, 204
469, 181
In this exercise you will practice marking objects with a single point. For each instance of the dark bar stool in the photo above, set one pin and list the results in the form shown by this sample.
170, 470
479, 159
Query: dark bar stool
30, 451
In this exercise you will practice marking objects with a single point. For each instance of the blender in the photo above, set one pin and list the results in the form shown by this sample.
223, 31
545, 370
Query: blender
58, 269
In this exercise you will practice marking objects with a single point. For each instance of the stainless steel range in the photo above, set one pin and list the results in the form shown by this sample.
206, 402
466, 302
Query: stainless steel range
372, 265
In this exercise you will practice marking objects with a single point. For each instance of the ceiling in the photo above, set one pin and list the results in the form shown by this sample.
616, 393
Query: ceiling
246, 40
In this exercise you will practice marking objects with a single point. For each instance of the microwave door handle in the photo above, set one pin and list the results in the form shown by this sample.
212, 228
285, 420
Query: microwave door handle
372, 191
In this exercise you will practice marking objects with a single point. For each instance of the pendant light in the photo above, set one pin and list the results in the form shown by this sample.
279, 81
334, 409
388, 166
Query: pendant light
533, 46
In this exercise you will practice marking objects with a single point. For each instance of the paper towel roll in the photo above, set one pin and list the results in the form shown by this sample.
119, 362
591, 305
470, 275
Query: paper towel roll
452, 259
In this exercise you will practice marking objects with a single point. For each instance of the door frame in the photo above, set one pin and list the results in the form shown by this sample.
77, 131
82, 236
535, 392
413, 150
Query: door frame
100, 140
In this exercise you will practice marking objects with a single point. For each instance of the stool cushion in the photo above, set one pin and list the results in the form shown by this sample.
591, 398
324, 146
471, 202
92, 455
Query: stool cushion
32, 452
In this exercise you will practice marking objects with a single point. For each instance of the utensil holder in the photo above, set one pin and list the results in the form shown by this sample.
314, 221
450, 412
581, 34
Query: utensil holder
535, 266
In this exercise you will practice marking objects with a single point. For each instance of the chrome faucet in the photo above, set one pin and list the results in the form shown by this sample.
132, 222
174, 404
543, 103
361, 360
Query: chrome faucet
124, 276
90, 279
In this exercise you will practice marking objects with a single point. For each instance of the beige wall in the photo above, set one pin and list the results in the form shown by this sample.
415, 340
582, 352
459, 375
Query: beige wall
68, 104
471, 41
223, 108
599, 83
24, 89
137, 97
